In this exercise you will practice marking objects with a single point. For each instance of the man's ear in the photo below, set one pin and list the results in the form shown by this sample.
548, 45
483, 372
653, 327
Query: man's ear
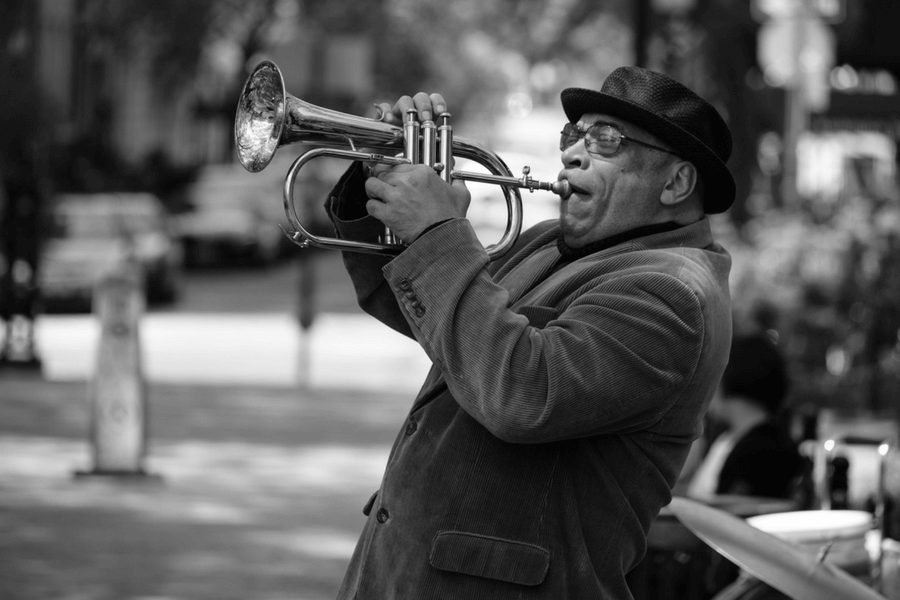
680, 184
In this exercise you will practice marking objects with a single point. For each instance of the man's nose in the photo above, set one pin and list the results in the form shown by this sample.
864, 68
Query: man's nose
575, 156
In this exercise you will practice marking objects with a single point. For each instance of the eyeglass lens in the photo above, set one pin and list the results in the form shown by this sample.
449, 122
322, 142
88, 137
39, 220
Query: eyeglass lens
599, 139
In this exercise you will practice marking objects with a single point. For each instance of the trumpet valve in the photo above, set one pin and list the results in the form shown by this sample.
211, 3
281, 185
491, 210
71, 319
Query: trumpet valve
389, 238
527, 181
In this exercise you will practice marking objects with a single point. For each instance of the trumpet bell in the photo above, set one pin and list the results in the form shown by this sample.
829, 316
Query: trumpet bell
268, 117
259, 118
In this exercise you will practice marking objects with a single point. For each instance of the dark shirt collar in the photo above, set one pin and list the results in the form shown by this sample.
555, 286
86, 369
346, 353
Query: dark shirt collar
570, 254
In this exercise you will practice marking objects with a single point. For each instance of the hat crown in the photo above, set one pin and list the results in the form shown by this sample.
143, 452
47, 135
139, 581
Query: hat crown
673, 102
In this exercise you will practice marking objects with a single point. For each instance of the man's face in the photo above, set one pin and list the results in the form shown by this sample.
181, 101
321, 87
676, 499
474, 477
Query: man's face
610, 194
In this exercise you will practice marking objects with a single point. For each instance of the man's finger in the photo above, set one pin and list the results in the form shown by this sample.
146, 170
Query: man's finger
439, 104
403, 104
377, 189
378, 169
423, 105
376, 209
384, 112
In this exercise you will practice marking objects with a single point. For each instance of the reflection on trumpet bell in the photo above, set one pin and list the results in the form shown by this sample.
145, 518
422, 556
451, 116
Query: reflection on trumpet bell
258, 122
268, 117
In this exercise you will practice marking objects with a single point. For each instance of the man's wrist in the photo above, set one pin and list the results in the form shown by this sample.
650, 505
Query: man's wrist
432, 226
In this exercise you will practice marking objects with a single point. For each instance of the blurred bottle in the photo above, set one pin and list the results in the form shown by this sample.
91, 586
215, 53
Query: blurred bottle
838, 471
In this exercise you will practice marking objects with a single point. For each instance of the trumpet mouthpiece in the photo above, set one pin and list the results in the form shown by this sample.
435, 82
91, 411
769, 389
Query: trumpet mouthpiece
561, 188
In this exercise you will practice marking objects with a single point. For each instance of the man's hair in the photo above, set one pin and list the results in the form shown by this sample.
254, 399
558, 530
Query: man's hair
756, 371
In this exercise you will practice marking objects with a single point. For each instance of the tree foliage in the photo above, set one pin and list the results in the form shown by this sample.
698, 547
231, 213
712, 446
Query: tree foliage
479, 51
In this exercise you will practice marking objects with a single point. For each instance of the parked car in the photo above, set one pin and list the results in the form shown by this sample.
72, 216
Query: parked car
231, 217
89, 234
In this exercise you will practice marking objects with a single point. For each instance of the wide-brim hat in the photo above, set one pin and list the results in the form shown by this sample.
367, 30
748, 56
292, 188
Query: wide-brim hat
664, 107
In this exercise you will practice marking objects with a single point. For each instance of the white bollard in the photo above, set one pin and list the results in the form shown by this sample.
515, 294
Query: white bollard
117, 389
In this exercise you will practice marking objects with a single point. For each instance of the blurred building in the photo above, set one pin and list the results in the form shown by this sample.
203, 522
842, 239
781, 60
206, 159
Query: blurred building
93, 86
831, 74
860, 122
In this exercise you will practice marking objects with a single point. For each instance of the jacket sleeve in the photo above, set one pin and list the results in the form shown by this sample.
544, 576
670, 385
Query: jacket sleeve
345, 206
613, 360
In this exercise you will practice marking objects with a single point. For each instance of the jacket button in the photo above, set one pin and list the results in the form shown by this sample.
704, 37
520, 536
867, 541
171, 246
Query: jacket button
405, 285
411, 426
419, 310
382, 515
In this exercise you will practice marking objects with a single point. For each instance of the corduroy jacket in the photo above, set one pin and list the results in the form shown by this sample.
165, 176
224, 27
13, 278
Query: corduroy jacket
558, 412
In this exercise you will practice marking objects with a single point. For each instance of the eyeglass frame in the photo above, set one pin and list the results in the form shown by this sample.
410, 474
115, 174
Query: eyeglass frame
584, 134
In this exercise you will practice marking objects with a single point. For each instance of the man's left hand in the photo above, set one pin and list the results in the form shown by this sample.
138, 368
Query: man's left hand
410, 198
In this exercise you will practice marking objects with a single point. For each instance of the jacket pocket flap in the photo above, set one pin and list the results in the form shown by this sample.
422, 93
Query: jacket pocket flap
494, 558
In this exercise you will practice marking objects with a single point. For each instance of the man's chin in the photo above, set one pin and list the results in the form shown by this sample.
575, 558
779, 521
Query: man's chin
569, 236
571, 240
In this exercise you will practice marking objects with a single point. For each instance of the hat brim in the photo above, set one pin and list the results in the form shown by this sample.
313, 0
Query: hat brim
719, 186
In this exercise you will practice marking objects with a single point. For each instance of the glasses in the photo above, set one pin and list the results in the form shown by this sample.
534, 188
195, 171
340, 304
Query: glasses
600, 138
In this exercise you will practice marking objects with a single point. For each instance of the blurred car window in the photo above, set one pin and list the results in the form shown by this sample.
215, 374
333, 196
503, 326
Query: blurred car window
84, 220
234, 217
231, 218
89, 234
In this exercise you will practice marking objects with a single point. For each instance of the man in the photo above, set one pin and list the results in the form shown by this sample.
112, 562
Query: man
753, 455
569, 376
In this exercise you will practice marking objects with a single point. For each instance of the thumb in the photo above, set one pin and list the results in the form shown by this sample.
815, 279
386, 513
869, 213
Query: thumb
461, 192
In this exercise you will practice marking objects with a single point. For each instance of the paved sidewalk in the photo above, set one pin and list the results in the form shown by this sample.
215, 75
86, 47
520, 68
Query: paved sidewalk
257, 496
341, 350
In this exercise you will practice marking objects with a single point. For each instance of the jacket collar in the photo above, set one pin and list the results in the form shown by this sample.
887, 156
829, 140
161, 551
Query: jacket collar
697, 234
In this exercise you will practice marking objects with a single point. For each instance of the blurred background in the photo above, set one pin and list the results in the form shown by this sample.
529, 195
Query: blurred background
116, 148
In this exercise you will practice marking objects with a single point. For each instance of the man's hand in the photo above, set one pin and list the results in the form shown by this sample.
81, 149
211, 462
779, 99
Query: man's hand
427, 106
410, 198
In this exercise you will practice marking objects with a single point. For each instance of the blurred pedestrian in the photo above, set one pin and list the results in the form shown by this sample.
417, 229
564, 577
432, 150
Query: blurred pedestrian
569, 376
753, 454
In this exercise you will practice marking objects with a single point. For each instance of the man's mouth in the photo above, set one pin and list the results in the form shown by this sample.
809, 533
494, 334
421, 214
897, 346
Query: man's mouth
574, 189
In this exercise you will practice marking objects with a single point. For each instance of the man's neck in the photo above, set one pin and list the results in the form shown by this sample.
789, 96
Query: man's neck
570, 253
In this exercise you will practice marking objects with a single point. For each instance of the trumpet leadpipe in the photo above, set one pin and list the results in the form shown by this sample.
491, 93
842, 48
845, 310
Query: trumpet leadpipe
560, 188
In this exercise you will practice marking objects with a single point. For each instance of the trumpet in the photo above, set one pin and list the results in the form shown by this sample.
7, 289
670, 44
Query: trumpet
267, 117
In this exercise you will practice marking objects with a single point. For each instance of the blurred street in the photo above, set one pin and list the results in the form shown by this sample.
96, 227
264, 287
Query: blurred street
239, 326
264, 443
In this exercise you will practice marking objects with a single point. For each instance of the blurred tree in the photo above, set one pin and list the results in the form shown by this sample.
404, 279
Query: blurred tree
479, 51
22, 185
196, 47
168, 35
727, 24
171, 32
